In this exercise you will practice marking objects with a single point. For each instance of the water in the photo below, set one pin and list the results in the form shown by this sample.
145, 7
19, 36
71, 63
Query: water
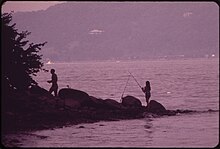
191, 84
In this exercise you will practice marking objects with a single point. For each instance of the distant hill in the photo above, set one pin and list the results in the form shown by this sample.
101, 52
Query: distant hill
111, 31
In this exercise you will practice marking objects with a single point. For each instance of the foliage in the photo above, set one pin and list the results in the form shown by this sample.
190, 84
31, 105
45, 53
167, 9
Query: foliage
20, 60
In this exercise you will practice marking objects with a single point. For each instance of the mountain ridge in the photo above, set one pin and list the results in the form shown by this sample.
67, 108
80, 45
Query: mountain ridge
112, 31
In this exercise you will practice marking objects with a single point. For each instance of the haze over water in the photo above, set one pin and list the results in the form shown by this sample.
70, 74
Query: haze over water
178, 84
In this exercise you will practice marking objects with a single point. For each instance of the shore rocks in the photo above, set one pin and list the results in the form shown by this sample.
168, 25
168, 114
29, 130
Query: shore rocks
130, 101
114, 104
97, 103
39, 91
39, 109
155, 107
65, 93
74, 98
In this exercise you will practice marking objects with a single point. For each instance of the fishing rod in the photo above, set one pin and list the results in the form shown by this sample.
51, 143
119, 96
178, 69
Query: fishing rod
135, 80
125, 87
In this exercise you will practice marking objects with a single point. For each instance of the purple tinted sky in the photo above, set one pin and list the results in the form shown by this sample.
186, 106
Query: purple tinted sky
18, 6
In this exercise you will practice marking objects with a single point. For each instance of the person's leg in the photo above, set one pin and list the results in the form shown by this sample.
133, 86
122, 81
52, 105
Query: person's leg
149, 97
55, 91
146, 99
51, 90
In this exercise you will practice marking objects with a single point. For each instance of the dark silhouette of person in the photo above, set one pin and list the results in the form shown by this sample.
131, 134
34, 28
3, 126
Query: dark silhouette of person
147, 90
54, 87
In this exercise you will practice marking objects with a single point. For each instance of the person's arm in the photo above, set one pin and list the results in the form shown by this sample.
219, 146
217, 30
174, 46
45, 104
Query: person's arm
49, 81
143, 89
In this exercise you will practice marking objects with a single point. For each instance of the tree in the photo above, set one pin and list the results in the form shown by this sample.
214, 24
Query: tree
20, 60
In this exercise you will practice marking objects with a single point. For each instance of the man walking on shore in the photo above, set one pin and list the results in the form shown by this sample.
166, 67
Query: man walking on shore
54, 87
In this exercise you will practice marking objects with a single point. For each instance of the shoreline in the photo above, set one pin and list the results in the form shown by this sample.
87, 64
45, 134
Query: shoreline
28, 112
23, 125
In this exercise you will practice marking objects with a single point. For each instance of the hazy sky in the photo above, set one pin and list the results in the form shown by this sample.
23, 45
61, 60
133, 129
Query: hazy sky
18, 6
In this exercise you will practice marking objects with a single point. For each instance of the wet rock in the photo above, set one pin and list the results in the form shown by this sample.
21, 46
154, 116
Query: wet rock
130, 101
155, 107
75, 98
113, 103
73, 93
98, 103
184, 111
72, 103
81, 127
39, 91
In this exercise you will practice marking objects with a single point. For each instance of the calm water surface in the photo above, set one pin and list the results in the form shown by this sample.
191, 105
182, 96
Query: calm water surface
190, 84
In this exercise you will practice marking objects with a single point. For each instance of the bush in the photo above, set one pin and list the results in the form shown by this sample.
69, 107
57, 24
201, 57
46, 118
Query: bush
20, 59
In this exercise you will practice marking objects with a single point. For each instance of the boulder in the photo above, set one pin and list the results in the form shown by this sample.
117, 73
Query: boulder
98, 103
39, 91
65, 93
75, 98
72, 103
130, 101
155, 107
113, 103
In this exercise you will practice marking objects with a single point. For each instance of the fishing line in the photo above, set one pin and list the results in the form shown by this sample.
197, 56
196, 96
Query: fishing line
125, 87
135, 80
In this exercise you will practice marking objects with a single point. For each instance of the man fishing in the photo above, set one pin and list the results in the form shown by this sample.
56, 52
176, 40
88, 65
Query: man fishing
53, 80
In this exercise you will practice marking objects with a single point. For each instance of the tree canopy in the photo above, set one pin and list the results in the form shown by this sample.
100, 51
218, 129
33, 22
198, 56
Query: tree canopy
20, 59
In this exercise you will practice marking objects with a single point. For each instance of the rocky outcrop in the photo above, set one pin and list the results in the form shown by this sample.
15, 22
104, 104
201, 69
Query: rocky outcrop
155, 107
98, 103
114, 104
39, 109
130, 101
75, 98
65, 93
39, 91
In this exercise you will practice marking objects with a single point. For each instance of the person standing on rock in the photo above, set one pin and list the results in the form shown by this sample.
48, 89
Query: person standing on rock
54, 87
147, 92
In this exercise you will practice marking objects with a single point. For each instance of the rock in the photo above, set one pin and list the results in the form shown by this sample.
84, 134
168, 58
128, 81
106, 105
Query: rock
184, 111
38, 91
76, 98
68, 93
98, 103
130, 101
108, 104
113, 103
72, 103
155, 107
65, 93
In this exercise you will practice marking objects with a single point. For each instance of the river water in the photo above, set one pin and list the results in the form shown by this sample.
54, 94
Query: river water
187, 84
